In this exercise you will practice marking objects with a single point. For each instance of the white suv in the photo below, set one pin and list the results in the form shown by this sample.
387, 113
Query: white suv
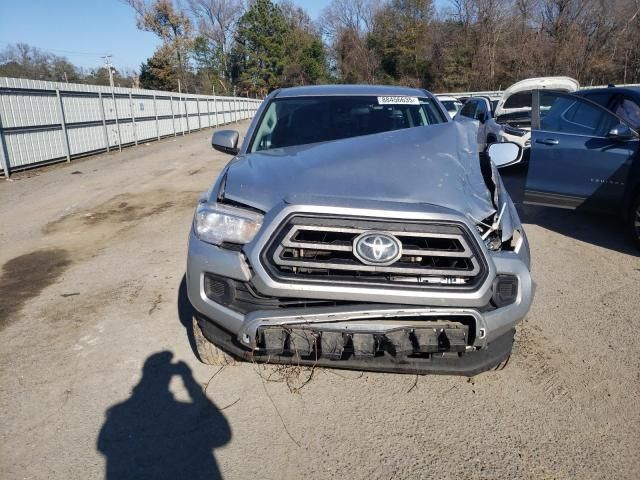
451, 104
509, 118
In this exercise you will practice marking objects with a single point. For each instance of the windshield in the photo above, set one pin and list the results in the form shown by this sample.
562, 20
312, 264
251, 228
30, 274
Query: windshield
297, 121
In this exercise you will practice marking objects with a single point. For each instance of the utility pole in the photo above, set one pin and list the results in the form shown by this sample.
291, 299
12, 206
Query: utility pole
109, 67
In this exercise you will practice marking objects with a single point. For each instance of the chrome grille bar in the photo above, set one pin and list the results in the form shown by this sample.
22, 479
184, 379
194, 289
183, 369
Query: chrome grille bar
310, 248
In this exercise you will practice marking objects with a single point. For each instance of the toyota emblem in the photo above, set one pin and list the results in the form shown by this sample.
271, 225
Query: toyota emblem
375, 248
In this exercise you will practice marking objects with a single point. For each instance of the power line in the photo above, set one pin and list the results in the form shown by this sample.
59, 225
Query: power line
69, 52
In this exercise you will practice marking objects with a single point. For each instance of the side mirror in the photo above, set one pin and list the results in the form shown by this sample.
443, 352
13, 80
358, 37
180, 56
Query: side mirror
226, 141
481, 117
505, 153
621, 132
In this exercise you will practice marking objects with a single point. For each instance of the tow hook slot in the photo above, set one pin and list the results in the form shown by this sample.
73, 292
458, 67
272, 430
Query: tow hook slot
364, 345
274, 340
303, 342
332, 345
401, 342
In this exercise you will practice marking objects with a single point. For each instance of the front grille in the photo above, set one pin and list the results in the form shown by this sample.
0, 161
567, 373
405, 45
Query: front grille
320, 249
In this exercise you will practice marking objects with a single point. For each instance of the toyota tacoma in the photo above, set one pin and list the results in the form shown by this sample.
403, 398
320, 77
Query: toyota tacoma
358, 227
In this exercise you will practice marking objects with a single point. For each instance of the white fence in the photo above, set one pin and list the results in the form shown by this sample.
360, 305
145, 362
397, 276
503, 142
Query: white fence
46, 122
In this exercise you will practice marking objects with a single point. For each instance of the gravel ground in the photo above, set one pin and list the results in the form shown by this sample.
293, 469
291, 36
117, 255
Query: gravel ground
98, 378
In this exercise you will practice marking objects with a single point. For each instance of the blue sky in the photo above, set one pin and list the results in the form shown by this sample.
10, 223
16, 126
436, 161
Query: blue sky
82, 30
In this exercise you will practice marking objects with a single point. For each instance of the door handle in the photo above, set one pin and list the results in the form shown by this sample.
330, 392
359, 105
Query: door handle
547, 141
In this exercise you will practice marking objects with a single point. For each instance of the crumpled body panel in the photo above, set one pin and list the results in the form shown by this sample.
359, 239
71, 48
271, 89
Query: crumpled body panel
436, 165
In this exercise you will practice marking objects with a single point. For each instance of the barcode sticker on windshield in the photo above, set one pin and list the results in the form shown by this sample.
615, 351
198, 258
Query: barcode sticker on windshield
398, 101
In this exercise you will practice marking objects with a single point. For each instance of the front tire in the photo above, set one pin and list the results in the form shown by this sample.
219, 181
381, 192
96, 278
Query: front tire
634, 221
208, 353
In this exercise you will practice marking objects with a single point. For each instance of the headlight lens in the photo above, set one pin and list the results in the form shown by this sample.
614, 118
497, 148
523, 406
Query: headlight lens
218, 224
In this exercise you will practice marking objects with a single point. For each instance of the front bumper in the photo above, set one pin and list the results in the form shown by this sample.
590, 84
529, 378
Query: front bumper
375, 312
469, 364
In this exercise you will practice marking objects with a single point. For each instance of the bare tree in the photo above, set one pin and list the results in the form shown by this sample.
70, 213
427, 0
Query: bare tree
217, 21
346, 24
169, 23
355, 15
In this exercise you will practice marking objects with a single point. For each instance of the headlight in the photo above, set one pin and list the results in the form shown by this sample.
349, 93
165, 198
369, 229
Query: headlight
218, 224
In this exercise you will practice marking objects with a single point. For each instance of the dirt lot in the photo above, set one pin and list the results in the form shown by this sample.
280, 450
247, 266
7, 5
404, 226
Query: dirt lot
96, 367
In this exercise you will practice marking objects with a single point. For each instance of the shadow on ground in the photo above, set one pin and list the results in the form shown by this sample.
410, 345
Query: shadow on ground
151, 435
602, 230
597, 229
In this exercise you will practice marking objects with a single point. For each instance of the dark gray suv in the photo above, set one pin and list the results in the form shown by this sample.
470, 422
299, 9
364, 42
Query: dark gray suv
585, 153
358, 227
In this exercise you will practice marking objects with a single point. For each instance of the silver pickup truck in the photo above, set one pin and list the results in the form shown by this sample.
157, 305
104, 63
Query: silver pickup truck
358, 227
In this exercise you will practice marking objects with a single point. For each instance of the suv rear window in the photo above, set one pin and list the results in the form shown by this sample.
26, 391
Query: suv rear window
519, 100
288, 122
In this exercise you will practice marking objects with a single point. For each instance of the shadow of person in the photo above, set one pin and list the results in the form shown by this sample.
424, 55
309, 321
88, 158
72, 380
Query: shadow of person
151, 435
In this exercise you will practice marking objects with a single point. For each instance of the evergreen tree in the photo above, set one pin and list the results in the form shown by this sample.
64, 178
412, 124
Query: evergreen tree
260, 49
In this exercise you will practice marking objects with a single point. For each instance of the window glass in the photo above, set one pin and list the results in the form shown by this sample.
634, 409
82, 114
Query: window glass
519, 100
604, 99
628, 110
302, 120
567, 114
451, 105
482, 108
469, 109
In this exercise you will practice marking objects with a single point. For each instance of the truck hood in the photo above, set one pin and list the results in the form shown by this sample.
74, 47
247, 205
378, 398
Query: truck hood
435, 165
564, 84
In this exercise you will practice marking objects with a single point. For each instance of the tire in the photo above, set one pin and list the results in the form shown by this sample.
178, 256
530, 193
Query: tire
634, 221
208, 353
503, 363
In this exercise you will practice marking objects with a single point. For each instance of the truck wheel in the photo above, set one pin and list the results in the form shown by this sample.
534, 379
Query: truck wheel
208, 353
503, 363
634, 221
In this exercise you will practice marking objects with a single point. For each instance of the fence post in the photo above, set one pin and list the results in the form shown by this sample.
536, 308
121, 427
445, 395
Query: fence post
180, 110
215, 108
63, 124
133, 120
186, 114
104, 120
155, 109
198, 106
235, 108
180, 107
4, 153
173, 117
115, 108
209, 112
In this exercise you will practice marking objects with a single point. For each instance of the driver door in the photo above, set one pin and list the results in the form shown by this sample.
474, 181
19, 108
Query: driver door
576, 159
